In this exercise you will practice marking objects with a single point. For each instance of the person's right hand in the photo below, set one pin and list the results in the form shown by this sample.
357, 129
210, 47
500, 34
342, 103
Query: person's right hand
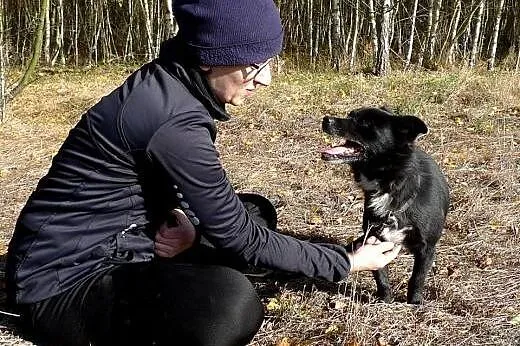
373, 255
174, 238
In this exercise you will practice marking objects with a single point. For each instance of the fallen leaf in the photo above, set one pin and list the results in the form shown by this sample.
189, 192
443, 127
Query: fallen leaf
273, 305
332, 329
284, 342
340, 304
352, 342
516, 320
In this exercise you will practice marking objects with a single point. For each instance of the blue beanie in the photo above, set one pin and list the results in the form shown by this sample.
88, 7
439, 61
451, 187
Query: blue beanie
229, 32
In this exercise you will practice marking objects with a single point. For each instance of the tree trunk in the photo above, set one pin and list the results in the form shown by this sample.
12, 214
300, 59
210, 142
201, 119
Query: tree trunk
476, 35
76, 32
412, 34
47, 41
517, 65
353, 51
425, 45
3, 64
173, 27
148, 26
59, 54
448, 57
336, 30
496, 29
310, 32
432, 39
37, 51
383, 57
373, 32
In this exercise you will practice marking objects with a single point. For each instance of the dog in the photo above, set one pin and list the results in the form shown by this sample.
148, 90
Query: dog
406, 194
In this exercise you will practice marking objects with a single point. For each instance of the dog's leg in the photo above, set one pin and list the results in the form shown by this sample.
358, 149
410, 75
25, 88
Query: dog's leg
384, 291
421, 266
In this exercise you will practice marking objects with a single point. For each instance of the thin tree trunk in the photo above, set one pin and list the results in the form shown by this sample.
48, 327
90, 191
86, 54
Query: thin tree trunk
373, 32
76, 33
425, 46
452, 39
129, 44
148, 26
317, 32
37, 51
432, 40
349, 35
2, 64
353, 51
336, 46
383, 58
476, 35
47, 41
517, 65
496, 29
59, 54
412, 34
310, 33
173, 27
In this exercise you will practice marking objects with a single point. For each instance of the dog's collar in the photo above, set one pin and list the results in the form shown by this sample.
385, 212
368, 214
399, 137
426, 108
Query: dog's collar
406, 205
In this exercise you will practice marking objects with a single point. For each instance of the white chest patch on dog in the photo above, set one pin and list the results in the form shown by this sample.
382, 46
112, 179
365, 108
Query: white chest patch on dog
395, 235
380, 204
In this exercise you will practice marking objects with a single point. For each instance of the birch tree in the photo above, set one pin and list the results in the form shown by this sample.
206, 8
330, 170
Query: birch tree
171, 19
59, 38
47, 37
447, 54
373, 30
335, 36
432, 37
355, 32
412, 34
494, 41
383, 56
476, 35
37, 51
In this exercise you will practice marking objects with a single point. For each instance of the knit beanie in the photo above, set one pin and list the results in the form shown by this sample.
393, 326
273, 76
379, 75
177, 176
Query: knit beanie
229, 32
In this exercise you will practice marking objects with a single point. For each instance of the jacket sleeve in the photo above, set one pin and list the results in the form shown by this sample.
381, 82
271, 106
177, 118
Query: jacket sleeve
184, 150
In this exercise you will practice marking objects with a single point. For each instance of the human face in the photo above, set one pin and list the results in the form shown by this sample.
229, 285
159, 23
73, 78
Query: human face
233, 84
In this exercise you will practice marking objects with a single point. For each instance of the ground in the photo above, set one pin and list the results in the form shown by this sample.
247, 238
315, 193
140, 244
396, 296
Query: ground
271, 147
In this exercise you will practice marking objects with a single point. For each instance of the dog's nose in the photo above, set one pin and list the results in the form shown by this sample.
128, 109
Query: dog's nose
327, 122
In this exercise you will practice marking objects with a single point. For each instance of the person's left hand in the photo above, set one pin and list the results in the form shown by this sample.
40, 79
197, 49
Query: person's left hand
171, 240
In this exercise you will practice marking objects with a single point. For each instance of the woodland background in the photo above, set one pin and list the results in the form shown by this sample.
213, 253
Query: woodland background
351, 35
454, 63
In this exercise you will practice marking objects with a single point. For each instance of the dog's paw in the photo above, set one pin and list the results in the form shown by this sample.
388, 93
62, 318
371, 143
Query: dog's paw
415, 300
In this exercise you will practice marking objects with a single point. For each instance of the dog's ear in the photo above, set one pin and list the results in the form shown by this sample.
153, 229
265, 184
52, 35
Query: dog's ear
411, 128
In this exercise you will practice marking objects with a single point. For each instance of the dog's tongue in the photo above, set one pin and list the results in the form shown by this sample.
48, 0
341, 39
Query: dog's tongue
338, 151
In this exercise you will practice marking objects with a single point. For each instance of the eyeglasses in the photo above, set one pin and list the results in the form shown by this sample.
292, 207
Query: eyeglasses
257, 68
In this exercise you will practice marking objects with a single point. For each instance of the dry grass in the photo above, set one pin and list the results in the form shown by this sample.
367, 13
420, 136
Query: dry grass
270, 147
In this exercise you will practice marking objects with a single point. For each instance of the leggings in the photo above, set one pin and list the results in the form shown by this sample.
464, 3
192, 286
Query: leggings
163, 302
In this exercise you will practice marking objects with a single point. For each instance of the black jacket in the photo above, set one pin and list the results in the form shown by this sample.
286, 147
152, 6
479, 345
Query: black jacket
144, 148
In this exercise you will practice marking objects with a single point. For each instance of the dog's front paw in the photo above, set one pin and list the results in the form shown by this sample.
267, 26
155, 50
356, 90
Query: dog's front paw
415, 299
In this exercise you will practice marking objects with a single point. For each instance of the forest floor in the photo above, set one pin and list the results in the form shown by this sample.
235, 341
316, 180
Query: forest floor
271, 147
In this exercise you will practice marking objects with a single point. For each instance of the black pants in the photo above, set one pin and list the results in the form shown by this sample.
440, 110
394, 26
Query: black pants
193, 299
159, 303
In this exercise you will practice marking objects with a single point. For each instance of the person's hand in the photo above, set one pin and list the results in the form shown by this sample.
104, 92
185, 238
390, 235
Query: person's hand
373, 255
174, 237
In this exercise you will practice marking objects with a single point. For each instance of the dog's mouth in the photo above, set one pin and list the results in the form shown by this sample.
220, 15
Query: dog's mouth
347, 152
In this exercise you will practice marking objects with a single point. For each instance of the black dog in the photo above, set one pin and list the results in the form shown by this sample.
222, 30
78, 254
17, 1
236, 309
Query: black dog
406, 194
